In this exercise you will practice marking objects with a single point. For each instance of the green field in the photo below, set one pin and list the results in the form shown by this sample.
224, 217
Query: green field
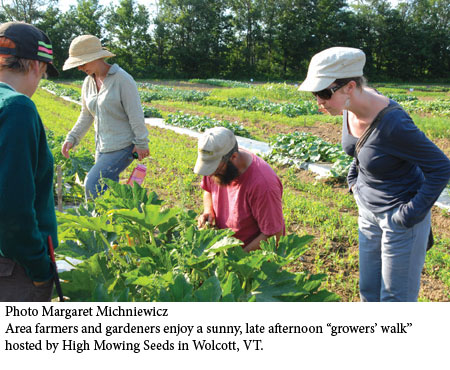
321, 208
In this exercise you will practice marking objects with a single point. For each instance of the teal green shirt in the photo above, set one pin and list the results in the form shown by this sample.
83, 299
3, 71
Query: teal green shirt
27, 209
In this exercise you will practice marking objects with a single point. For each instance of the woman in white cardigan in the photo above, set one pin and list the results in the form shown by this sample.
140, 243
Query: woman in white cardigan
110, 99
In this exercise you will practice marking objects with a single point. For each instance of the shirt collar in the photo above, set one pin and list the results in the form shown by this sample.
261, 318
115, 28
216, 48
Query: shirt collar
114, 68
7, 85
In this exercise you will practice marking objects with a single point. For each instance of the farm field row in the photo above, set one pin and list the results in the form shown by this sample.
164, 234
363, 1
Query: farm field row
322, 209
251, 106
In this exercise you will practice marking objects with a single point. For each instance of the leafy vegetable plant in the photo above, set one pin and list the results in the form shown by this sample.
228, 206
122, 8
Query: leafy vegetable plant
202, 123
135, 249
305, 147
266, 106
74, 169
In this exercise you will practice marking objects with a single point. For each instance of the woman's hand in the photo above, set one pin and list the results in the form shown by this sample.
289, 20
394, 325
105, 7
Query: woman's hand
142, 153
65, 149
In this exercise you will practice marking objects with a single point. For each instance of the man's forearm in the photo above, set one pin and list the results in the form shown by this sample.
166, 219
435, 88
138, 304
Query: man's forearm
255, 243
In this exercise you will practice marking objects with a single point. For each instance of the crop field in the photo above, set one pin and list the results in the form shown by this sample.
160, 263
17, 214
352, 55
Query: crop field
142, 244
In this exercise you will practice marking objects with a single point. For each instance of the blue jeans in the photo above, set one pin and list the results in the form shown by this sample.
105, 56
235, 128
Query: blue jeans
391, 256
107, 166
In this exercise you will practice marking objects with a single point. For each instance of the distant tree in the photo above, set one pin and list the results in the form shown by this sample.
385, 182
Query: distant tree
295, 36
52, 22
128, 36
24, 10
86, 18
331, 24
193, 36
430, 30
247, 15
410, 42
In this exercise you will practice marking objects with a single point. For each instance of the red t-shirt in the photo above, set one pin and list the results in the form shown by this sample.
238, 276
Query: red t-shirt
251, 204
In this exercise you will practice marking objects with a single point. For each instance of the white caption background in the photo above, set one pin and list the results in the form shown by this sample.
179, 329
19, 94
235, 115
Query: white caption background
352, 336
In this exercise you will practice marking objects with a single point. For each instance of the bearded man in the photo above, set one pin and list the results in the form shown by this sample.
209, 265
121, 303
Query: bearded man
241, 191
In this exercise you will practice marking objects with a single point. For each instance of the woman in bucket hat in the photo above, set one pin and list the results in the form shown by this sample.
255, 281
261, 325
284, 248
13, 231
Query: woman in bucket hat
27, 208
110, 99
396, 176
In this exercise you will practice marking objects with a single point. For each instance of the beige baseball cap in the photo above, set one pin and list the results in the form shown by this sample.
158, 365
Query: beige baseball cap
84, 49
331, 64
212, 146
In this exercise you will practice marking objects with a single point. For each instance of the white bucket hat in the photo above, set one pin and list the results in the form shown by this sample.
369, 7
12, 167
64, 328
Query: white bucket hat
84, 49
331, 64
212, 146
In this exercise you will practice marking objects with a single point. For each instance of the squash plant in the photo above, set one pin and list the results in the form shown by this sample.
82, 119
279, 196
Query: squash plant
135, 249
74, 169
305, 147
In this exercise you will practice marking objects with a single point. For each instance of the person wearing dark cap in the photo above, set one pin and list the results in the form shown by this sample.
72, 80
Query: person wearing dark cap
241, 191
27, 210
396, 176
110, 98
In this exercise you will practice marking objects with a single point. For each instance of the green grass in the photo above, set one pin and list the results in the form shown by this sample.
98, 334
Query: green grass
433, 127
437, 263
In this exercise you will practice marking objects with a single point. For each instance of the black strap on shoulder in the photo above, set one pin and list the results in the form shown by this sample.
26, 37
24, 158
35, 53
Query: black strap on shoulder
362, 140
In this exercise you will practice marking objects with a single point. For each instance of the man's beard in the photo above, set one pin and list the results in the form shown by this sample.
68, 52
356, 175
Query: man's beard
231, 173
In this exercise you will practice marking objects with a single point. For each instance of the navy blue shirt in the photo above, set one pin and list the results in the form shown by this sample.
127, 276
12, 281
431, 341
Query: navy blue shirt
398, 167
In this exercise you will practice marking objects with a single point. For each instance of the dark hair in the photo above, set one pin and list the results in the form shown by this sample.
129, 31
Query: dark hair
360, 81
11, 61
227, 156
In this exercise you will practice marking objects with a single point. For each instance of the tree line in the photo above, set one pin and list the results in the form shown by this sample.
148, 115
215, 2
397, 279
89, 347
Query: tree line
243, 39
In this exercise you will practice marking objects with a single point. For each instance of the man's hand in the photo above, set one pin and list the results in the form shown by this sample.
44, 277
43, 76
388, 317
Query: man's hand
65, 149
254, 244
206, 218
142, 153
208, 213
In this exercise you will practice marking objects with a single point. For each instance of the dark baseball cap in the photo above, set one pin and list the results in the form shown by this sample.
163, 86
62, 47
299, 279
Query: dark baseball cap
31, 43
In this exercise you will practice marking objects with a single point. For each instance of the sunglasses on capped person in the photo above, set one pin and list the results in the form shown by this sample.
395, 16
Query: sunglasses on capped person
326, 94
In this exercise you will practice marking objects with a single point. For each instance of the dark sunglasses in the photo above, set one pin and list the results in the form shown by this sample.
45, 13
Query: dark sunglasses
326, 94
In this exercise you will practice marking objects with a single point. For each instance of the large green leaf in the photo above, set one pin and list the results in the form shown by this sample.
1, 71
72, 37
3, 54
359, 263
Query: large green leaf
289, 247
210, 291
150, 218
180, 290
232, 289
122, 196
79, 283
100, 223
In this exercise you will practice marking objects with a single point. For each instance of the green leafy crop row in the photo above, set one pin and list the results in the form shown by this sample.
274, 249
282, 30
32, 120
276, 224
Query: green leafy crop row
439, 107
74, 169
305, 147
134, 249
222, 83
202, 123
149, 92
253, 104
400, 98
60, 90
151, 112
